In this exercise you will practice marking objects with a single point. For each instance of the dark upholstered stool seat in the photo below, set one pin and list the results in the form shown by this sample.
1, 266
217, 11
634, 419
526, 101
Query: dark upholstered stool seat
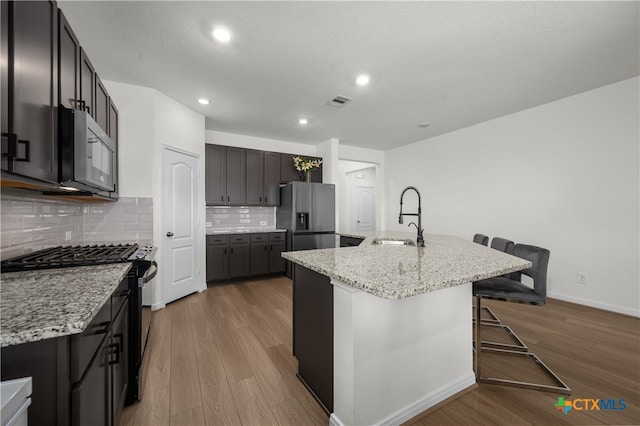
502, 288
481, 239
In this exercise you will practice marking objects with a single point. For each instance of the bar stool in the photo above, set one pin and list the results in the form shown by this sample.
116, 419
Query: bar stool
502, 244
481, 239
511, 289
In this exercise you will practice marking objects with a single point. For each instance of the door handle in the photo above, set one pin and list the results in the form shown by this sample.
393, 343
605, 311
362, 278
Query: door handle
169, 234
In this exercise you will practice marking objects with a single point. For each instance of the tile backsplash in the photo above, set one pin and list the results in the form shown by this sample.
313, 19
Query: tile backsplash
28, 224
223, 218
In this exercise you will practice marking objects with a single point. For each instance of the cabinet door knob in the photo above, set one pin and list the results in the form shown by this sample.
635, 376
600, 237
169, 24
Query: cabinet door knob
169, 234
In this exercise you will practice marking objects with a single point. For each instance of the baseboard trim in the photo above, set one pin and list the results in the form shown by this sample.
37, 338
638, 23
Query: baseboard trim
594, 304
156, 306
431, 402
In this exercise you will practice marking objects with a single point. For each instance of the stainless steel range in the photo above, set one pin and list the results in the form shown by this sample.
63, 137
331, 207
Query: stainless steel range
143, 270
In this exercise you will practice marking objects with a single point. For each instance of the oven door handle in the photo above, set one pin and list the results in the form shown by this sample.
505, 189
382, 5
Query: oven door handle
150, 274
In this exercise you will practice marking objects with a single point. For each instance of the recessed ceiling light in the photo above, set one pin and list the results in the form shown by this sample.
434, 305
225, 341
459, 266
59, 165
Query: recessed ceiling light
303, 121
204, 101
221, 34
424, 124
362, 80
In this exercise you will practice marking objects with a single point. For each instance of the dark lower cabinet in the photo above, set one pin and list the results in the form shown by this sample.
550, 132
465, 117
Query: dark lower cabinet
232, 256
91, 398
119, 361
350, 241
239, 260
276, 262
79, 379
217, 263
313, 333
259, 258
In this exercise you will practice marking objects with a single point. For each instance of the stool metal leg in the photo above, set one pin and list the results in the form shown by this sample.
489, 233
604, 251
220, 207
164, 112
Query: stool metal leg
560, 387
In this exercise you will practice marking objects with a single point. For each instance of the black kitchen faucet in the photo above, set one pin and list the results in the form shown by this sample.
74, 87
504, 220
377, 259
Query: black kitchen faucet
420, 240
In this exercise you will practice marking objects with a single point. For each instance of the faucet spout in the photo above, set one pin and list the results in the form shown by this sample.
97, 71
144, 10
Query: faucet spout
420, 238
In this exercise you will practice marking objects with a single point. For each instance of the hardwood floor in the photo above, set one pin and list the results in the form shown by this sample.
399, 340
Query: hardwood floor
223, 357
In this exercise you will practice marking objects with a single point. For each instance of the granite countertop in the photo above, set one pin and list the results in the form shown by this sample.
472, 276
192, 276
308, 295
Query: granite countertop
395, 272
47, 303
244, 231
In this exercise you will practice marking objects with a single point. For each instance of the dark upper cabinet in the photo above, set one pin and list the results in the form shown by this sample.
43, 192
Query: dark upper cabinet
112, 130
255, 172
288, 172
101, 105
236, 176
68, 64
263, 178
225, 175
271, 179
87, 84
29, 89
215, 174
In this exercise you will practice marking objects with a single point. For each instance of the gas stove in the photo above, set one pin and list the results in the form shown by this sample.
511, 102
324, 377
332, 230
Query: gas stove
85, 255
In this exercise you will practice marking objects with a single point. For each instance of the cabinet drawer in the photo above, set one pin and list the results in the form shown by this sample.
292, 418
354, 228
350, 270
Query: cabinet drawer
85, 344
277, 236
214, 240
259, 238
119, 297
239, 238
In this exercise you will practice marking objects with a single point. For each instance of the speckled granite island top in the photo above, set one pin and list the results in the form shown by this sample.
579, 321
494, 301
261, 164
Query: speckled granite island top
47, 303
395, 272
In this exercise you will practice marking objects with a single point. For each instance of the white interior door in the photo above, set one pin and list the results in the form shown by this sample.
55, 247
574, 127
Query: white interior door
180, 216
365, 207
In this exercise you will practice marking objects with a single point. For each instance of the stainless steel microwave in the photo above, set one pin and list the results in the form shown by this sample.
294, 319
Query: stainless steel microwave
88, 158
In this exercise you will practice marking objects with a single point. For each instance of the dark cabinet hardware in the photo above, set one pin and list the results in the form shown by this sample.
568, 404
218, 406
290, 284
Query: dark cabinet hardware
114, 349
26, 156
101, 328
169, 234
222, 198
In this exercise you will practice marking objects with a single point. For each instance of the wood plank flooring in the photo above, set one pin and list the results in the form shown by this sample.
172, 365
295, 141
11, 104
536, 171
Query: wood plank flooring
223, 357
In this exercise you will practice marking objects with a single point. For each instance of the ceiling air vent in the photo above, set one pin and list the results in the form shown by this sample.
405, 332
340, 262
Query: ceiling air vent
339, 101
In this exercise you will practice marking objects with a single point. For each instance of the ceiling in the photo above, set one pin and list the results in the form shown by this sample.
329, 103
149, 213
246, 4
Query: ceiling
449, 64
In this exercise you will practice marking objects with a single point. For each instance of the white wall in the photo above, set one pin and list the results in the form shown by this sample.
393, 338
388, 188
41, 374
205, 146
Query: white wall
136, 138
150, 120
253, 142
564, 175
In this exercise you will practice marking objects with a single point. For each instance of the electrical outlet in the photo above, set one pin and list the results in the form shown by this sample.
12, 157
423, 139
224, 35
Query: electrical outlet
263, 223
67, 235
208, 224
581, 278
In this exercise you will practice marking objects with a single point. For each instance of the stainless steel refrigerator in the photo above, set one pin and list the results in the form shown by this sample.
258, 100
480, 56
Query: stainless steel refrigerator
307, 211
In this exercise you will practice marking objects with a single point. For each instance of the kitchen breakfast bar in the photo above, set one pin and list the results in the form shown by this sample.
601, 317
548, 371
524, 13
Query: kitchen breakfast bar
383, 331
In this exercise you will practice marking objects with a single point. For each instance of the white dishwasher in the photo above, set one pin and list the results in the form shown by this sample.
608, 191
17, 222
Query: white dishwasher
16, 399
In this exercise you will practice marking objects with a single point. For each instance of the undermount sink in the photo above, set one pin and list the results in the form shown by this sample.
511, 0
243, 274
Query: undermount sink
392, 242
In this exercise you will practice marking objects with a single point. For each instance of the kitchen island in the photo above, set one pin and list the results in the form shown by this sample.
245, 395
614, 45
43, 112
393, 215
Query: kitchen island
383, 332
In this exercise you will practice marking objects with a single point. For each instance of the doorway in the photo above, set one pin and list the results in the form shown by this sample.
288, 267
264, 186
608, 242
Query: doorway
181, 249
365, 208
